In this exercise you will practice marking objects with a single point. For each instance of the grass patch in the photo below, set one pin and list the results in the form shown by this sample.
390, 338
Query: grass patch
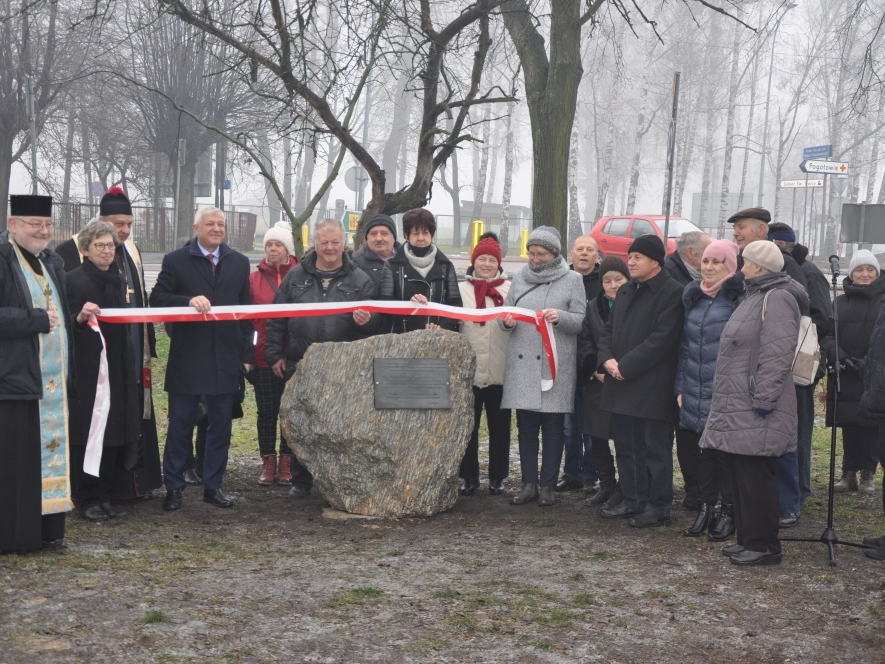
546, 646
425, 645
445, 594
584, 600
152, 617
355, 596
657, 593
558, 618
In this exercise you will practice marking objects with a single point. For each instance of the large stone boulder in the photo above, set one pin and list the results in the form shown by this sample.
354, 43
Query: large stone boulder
379, 462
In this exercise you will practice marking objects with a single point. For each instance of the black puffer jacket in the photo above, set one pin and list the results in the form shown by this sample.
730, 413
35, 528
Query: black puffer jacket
440, 286
594, 421
872, 403
290, 338
857, 309
21, 324
377, 270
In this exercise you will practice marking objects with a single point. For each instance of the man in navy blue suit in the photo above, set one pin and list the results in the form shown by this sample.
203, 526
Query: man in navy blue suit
205, 358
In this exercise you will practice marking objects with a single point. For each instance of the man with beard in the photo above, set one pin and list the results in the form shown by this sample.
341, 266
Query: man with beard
35, 344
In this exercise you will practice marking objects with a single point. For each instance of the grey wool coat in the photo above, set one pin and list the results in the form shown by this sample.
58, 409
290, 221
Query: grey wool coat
734, 426
526, 363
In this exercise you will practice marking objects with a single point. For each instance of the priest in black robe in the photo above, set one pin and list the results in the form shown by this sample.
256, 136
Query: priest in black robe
35, 353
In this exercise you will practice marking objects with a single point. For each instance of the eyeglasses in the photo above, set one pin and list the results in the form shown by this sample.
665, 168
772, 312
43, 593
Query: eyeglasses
37, 225
104, 246
538, 254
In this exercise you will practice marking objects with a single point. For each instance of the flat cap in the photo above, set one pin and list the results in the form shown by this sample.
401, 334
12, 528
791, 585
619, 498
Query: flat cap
751, 213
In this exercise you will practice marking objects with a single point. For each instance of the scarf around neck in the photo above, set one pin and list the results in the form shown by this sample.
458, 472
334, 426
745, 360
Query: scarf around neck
546, 272
422, 264
713, 291
487, 287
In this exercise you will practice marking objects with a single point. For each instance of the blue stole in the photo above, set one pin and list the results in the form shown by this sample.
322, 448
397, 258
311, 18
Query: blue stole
54, 404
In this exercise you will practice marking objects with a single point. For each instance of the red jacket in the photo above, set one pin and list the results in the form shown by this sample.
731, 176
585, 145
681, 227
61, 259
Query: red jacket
262, 293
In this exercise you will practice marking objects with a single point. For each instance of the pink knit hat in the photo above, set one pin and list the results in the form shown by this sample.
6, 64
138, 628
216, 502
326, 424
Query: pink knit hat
725, 251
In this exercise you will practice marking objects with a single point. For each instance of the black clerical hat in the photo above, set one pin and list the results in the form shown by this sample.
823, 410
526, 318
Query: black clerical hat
30, 206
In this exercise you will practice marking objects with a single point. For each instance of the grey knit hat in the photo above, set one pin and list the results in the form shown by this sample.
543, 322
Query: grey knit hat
863, 257
764, 254
546, 237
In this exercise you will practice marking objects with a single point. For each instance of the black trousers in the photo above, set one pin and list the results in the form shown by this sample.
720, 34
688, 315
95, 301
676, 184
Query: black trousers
604, 459
88, 489
688, 454
710, 469
756, 502
860, 448
498, 421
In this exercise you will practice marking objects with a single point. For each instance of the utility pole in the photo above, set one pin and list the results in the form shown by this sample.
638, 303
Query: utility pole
361, 175
671, 150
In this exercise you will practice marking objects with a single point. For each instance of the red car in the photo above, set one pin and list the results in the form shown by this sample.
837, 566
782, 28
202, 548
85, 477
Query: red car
615, 234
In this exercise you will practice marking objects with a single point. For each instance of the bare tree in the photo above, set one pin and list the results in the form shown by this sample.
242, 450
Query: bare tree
277, 34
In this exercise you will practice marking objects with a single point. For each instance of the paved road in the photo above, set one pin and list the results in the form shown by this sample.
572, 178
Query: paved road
152, 263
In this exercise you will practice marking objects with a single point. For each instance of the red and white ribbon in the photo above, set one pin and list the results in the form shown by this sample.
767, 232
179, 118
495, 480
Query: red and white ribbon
263, 311
100, 409
259, 311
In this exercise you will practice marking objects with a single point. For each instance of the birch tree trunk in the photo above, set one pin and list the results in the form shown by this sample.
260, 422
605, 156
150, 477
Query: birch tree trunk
731, 104
504, 231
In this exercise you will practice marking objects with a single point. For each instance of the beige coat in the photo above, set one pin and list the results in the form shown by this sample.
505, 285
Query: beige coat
489, 341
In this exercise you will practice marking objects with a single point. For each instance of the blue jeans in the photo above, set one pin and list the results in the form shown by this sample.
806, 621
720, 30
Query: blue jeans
179, 436
644, 453
786, 471
805, 412
579, 461
531, 426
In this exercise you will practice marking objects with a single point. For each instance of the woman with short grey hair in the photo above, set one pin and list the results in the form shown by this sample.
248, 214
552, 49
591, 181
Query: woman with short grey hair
97, 284
546, 284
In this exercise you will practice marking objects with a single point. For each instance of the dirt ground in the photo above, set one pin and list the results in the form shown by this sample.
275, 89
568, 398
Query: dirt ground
274, 580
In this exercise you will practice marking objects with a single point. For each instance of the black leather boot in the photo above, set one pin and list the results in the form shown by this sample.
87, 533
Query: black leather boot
701, 521
606, 489
724, 526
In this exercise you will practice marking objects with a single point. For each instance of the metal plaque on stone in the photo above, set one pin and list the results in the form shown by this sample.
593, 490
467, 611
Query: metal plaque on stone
412, 383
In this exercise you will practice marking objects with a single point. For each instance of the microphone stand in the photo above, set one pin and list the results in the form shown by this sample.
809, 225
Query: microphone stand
829, 536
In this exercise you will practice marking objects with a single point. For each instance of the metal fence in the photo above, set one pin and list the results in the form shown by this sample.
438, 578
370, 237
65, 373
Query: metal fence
154, 227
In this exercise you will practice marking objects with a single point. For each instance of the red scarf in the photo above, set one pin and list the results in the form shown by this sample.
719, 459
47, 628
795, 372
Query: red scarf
483, 288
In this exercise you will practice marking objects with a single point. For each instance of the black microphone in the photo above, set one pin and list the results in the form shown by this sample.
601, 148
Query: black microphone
834, 265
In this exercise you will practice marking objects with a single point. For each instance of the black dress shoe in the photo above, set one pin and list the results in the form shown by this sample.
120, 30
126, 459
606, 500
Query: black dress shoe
871, 540
545, 497
528, 493
650, 520
471, 484
876, 554
299, 491
172, 501
788, 519
617, 512
568, 484
52, 544
496, 487
217, 498
590, 487
747, 558
191, 477
111, 511
94, 513
732, 549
